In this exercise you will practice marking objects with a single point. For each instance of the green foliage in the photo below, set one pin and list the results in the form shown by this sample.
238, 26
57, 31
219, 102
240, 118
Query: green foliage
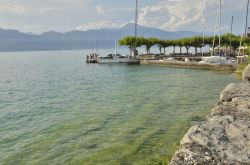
196, 42
131, 42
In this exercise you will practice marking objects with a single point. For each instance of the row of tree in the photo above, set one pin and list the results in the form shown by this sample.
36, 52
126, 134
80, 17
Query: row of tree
195, 42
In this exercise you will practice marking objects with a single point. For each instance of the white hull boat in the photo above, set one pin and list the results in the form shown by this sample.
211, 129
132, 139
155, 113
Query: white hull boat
214, 59
122, 59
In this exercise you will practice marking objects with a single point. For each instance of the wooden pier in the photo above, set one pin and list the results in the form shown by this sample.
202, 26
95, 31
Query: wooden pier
92, 58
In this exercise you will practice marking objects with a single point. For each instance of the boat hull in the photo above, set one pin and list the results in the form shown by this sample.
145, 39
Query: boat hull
214, 59
110, 61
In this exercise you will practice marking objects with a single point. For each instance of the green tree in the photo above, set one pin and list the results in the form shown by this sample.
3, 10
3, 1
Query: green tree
161, 45
197, 42
148, 43
131, 42
187, 43
173, 43
180, 43
166, 44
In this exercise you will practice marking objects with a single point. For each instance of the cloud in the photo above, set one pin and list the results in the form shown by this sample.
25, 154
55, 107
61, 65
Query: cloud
183, 14
100, 9
17, 9
164, 14
173, 14
49, 9
100, 24
92, 25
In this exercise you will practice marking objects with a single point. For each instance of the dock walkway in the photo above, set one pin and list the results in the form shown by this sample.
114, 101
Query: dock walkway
190, 64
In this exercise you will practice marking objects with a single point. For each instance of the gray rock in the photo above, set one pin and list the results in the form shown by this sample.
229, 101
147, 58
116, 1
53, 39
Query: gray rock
235, 90
238, 108
246, 74
224, 138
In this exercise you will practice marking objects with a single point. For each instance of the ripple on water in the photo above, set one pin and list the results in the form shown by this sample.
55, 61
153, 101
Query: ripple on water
55, 109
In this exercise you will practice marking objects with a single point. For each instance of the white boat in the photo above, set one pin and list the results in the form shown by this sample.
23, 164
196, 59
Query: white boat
117, 58
114, 58
214, 59
219, 57
186, 59
170, 59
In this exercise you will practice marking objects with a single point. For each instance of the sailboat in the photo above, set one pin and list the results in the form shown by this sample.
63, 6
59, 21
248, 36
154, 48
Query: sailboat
219, 56
114, 57
242, 49
133, 58
117, 58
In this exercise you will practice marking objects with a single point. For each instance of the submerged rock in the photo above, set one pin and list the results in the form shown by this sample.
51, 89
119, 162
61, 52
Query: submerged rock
224, 138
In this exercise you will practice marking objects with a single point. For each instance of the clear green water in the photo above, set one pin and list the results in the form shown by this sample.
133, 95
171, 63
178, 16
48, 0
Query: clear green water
55, 109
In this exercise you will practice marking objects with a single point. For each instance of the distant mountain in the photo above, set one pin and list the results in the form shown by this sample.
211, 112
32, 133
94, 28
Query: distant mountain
13, 40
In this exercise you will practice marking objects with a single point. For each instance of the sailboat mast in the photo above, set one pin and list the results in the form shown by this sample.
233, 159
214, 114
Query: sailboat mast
203, 39
220, 28
231, 30
115, 47
231, 33
97, 51
136, 18
246, 19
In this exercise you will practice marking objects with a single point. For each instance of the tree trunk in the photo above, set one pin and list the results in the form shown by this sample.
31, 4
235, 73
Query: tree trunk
195, 50
174, 50
164, 51
180, 50
187, 50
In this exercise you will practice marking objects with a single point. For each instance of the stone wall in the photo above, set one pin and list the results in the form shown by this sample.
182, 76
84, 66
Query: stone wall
224, 138
194, 65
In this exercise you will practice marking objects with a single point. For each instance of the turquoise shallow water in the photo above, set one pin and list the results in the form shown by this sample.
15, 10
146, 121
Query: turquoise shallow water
55, 109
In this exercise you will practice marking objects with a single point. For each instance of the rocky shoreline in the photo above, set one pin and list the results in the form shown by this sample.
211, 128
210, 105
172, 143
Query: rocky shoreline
224, 138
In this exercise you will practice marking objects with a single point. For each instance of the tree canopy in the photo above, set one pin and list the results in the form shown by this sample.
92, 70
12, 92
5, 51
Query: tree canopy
196, 42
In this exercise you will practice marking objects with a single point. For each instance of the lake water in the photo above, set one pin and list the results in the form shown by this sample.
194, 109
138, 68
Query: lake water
56, 109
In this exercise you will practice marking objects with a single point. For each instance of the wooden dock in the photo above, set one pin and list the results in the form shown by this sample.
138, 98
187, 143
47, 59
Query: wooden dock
92, 58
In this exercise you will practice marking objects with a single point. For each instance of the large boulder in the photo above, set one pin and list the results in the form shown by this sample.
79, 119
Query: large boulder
224, 138
235, 90
246, 74
220, 140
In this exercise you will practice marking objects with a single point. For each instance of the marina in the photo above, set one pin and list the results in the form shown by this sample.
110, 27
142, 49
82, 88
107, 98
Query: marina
122, 82
220, 57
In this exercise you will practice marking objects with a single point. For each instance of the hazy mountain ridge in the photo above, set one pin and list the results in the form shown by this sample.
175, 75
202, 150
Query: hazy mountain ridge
13, 40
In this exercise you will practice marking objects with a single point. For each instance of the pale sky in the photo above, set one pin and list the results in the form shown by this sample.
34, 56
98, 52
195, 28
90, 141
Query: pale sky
38, 16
